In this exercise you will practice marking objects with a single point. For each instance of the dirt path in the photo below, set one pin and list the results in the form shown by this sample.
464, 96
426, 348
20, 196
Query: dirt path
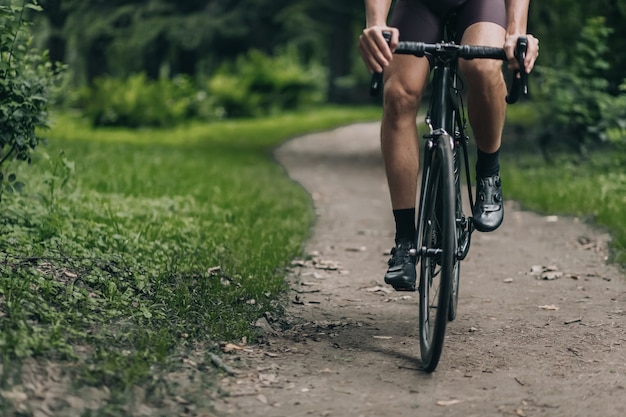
540, 330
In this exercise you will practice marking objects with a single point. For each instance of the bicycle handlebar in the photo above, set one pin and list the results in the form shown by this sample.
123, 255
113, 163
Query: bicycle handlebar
520, 79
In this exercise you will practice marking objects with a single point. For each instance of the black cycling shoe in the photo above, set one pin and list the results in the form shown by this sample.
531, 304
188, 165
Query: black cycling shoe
401, 273
489, 209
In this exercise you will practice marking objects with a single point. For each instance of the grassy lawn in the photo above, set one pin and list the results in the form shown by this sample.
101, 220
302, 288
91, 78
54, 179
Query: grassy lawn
128, 247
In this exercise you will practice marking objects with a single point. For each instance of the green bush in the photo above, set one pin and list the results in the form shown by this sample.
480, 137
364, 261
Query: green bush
140, 102
255, 85
578, 106
259, 84
26, 78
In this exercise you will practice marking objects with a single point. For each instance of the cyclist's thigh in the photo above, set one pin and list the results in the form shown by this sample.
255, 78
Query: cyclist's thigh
416, 21
477, 21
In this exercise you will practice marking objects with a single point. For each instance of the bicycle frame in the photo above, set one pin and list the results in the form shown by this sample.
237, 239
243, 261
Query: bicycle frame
443, 230
445, 119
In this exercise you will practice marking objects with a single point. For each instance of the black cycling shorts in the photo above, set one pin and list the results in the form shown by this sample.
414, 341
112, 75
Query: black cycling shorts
423, 20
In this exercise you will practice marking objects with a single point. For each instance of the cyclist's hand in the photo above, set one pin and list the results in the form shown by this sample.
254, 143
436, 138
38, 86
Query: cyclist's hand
531, 53
375, 51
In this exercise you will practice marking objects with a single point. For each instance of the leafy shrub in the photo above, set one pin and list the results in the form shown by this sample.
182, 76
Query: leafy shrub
578, 106
259, 84
255, 85
140, 102
26, 78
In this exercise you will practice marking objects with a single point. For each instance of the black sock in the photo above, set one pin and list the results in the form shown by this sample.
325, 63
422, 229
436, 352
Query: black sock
405, 223
487, 164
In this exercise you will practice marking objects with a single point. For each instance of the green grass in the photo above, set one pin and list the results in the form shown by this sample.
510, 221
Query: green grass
128, 246
594, 190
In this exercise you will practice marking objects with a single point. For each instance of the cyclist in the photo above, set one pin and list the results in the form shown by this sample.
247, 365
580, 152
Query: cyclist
497, 23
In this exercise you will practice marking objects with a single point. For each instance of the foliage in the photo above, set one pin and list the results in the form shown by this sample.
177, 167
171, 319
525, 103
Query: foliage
259, 84
577, 105
139, 102
256, 84
165, 38
112, 268
558, 23
26, 78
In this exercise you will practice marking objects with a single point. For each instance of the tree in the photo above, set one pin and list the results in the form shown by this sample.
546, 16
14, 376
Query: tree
25, 81
558, 24
122, 37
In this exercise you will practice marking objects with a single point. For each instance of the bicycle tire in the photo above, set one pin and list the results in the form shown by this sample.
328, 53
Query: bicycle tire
438, 245
459, 229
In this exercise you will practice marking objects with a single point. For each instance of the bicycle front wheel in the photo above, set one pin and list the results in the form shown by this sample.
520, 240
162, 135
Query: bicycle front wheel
437, 250
462, 235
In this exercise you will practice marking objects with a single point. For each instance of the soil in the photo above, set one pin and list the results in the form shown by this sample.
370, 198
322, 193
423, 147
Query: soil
539, 331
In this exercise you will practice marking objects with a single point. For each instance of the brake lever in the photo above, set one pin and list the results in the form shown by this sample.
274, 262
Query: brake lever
520, 76
376, 84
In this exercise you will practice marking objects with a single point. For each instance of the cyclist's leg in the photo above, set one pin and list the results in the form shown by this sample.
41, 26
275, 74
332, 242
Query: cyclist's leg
486, 87
482, 23
405, 80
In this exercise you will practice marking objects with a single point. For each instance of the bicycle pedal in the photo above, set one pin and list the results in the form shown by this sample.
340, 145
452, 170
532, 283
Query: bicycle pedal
406, 289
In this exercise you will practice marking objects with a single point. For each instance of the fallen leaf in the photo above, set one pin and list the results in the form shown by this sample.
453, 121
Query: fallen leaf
262, 398
189, 362
548, 273
378, 288
360, 249
214, 270
230, 347
14, 395
445, 403
180, 400
268, 379
551, 275
70, 274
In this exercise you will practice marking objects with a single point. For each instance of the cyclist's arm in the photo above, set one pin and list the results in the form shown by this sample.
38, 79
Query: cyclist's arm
375, 51
516, 26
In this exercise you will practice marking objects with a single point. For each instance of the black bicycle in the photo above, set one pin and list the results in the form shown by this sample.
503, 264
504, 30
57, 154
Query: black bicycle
443, 228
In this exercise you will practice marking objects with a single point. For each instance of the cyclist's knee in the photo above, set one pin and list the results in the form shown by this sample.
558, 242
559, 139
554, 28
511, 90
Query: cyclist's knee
481, 70
400, 99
